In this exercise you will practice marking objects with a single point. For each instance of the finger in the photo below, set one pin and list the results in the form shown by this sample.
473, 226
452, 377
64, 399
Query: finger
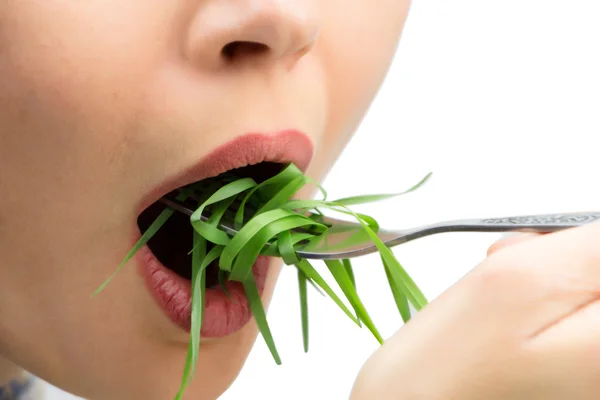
511, 240
538, 282
574, 250
569, 347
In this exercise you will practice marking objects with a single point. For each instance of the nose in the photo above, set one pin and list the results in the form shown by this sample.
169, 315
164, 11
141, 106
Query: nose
250, 31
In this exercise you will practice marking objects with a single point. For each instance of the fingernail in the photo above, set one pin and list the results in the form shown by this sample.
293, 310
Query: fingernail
507, 235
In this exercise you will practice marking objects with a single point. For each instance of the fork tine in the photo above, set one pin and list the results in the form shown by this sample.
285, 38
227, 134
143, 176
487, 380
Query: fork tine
176, 205
171, 201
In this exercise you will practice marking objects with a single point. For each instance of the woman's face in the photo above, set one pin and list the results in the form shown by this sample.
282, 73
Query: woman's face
106, 105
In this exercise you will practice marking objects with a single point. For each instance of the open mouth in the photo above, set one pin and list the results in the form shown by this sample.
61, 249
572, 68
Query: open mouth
165, 262
172, 244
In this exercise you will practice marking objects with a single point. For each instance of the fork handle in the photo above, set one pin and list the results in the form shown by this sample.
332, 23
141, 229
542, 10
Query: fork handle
543, 223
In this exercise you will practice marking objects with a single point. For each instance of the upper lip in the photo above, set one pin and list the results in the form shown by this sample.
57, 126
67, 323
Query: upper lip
284, 147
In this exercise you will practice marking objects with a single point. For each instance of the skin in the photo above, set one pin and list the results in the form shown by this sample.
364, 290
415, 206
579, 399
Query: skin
101, 101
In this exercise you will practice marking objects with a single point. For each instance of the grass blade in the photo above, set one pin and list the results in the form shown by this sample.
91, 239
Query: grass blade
283, 195
198, 284
211, 233
248, 254
247, 233
286, 248
186, 374
273, 251
303, 307
370, 198
264, 189
198, 289
399, 298
348, 267
223, 276
227, 191
250, 230
273, 185
397, 273
311, 273
260, 316
341, 276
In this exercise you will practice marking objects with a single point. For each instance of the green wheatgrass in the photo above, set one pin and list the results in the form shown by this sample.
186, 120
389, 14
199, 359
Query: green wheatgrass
272, 230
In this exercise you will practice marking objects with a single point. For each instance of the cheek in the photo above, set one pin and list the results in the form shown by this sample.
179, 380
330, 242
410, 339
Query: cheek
60, 76
70, 90
358, 43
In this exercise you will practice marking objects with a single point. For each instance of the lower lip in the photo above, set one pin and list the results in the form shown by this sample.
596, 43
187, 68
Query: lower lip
223, 316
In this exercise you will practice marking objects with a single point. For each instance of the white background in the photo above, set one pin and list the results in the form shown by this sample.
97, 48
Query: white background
501, 100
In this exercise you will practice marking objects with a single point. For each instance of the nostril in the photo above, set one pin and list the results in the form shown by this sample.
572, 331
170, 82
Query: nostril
239, 50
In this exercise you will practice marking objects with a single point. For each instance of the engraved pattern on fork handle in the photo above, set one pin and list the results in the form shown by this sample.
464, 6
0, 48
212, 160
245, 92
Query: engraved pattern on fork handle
570, 219
547, 223
543, 223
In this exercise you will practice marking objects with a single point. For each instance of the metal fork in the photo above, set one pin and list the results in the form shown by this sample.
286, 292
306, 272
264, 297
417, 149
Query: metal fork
348, 239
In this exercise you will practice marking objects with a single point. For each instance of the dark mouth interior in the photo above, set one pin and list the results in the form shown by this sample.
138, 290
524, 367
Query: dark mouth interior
172, 243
